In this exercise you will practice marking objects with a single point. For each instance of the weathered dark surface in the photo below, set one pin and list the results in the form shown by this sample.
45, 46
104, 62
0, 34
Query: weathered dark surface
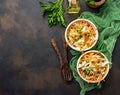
28, 63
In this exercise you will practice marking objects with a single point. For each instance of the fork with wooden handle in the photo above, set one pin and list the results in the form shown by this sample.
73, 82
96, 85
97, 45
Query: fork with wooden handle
65, 69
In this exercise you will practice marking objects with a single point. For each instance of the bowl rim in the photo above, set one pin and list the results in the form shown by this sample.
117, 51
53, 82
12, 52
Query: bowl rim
82, 76
97, 34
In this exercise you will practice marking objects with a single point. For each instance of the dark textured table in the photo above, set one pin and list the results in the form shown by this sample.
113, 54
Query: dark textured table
28, 63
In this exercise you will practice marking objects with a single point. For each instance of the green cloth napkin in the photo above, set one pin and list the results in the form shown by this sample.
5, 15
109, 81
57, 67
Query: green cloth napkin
108, 23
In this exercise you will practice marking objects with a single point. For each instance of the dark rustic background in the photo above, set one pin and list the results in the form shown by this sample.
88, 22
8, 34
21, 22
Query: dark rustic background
28, 63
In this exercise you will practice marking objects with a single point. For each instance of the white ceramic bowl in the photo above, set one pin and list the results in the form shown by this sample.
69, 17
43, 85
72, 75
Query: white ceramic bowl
83, 30
81, 68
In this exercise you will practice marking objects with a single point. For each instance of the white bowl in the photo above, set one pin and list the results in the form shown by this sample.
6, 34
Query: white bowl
82, 30
82, 67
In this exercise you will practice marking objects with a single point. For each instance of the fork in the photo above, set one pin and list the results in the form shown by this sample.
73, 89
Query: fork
64, 66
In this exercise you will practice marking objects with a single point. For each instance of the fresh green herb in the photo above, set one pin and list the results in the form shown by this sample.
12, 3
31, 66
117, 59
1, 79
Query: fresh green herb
91, 2
76, 39
89, 35
80, 36
82, 27
98, 62
78, 29
87, 65
86, 71
104, 45
55, 12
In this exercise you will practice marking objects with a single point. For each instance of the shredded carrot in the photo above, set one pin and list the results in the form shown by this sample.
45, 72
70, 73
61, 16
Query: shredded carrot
79, 30
98, 71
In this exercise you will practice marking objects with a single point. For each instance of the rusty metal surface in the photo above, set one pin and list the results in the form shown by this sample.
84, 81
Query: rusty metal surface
28, 63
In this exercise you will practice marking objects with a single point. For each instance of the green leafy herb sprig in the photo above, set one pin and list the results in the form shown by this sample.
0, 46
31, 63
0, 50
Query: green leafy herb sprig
55, 12
91, 2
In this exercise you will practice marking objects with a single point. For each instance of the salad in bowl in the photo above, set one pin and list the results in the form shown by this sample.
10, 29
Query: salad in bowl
93, 66
81, 34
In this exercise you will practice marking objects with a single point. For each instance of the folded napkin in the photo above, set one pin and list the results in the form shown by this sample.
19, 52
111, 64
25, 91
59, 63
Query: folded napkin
108, 24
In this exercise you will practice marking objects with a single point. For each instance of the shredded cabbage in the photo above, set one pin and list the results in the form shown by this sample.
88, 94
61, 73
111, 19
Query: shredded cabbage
108, 22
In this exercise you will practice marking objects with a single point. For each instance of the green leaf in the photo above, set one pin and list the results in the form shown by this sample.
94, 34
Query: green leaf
52, 10
51, 3
42, 4
91, 2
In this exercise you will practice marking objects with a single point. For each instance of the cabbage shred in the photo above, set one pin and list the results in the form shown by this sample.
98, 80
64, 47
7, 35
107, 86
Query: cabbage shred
108, 22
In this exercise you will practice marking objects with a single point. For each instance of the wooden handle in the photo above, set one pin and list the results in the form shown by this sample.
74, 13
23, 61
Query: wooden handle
57, 50
65, 50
